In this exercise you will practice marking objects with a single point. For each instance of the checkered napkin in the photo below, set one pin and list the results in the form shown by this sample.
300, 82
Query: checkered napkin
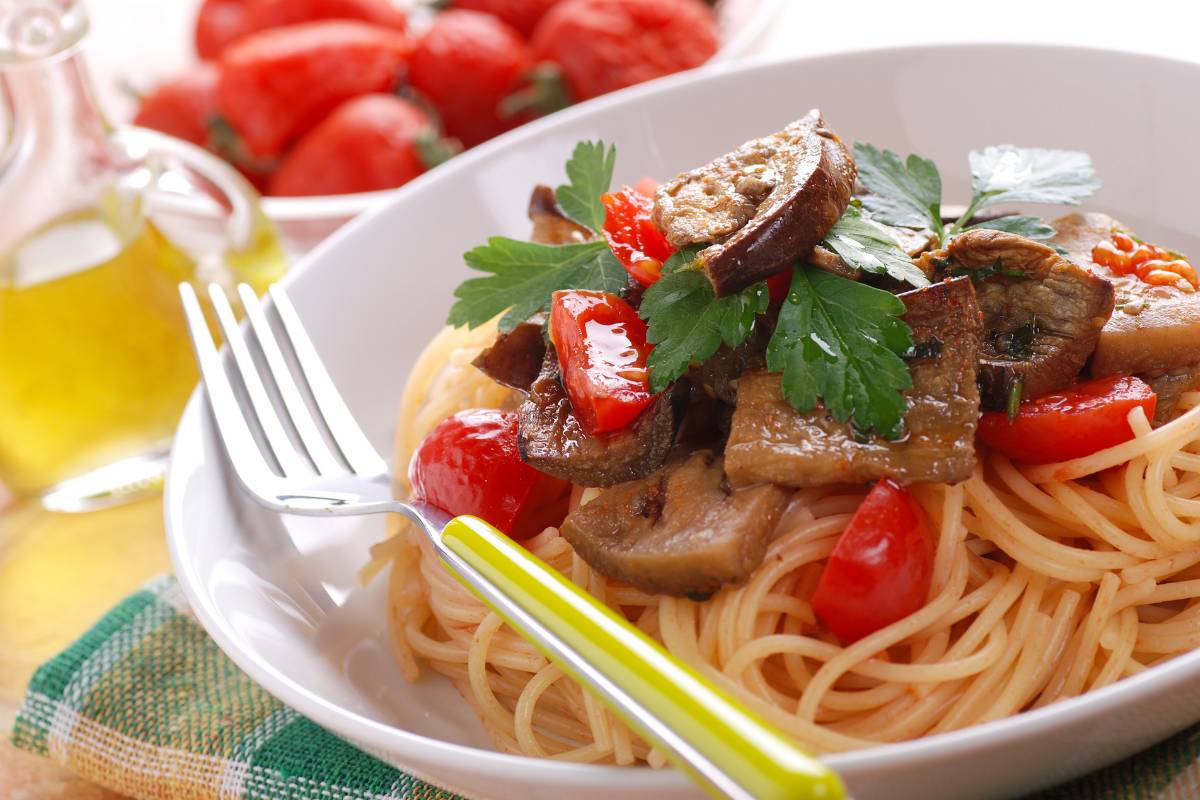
146, 705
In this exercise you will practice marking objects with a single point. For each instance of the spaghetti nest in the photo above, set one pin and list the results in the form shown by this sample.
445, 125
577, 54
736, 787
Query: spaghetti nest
1048, 582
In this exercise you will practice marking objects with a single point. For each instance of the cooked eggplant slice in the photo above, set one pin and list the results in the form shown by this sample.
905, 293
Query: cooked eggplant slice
1042, 313
550, 224
681, 531
1154, 330
552, 440
762, 206
772, 442
516, 357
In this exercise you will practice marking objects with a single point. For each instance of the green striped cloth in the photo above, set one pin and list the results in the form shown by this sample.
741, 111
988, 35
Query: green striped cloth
146, 705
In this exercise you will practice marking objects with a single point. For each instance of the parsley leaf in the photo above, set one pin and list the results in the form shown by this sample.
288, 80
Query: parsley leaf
687, 322
1008, 174
525, 274
870, 248
589, 175
903, 193
1029, 227
839, 342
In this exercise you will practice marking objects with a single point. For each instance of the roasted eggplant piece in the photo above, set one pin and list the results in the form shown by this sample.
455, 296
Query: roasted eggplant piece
1042, 314
1154, 330
516, 357
552, 440
681, 531
762, 206
550, 224
770, 441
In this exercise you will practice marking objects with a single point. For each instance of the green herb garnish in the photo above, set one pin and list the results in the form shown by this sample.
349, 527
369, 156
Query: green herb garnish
1014, 397
1017, 344
687, 322
589, 172
524, 274
907, 193
930, 348
840, 342
869, 248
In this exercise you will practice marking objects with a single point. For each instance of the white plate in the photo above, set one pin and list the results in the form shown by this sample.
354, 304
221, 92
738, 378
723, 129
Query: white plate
280, 597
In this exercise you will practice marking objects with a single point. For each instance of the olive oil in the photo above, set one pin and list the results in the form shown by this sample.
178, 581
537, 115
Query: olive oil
95, 361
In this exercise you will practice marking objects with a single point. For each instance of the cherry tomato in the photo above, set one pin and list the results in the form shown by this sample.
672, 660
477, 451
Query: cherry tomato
634, 238
604, 45
1069, 424
183, 106
276, 85
264, 14
466, 64
218, 24
602, 350
372, 142
470, 464
881, 568
522, 15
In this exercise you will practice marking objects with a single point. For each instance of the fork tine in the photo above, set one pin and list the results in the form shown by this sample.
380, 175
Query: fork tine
285, 453
350, 439
243, 450
326, 463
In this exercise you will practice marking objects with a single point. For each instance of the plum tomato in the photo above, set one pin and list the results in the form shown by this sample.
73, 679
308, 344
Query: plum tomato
1072, 423
183, 106
600, 46
378, 141
276, 85
602, 352
631, 233
219, 23
470, 464
466, 65
881, 567
522, 15
264, 14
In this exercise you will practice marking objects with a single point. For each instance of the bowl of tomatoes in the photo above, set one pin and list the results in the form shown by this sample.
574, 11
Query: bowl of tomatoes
328, 105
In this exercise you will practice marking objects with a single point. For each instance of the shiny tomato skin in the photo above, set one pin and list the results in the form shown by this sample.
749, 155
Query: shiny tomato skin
779, 284
219, 23
634, 238
604, 45
276, 85
1073, 423
881, 568
522, 15
466, 64
602, 352
470, 464
182, 106
264, 14
366, 144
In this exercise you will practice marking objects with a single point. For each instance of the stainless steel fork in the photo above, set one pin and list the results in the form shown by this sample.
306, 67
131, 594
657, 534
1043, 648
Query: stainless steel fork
318, 462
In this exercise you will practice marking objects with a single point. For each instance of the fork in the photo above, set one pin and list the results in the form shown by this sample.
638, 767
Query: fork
330, 468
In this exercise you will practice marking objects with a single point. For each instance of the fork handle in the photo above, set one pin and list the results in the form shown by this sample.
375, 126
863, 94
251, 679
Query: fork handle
727, 748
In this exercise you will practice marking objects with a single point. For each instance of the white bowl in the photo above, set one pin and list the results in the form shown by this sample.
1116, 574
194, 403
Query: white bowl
280, 596
136, 42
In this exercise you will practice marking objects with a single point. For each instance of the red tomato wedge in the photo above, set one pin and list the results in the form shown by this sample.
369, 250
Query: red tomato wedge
469, 464
602, 351
1069, 424
881, 568
631, 233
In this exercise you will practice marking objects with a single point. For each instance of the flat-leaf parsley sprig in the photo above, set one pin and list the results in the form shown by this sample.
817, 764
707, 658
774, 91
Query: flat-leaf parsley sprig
524, 275
907, 192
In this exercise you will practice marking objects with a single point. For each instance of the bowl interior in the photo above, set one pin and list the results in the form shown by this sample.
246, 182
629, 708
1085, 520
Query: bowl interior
281, 596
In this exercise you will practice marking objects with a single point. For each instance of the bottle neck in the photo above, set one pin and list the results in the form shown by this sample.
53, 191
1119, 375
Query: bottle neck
59, 157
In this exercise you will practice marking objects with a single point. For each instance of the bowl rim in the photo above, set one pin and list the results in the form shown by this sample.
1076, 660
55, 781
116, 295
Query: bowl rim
198, 434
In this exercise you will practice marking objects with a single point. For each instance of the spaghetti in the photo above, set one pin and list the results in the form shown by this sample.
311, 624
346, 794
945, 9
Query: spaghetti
1048, 582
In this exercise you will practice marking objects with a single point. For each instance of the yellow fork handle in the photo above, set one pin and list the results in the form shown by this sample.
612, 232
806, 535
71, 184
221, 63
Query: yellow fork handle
728, 749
